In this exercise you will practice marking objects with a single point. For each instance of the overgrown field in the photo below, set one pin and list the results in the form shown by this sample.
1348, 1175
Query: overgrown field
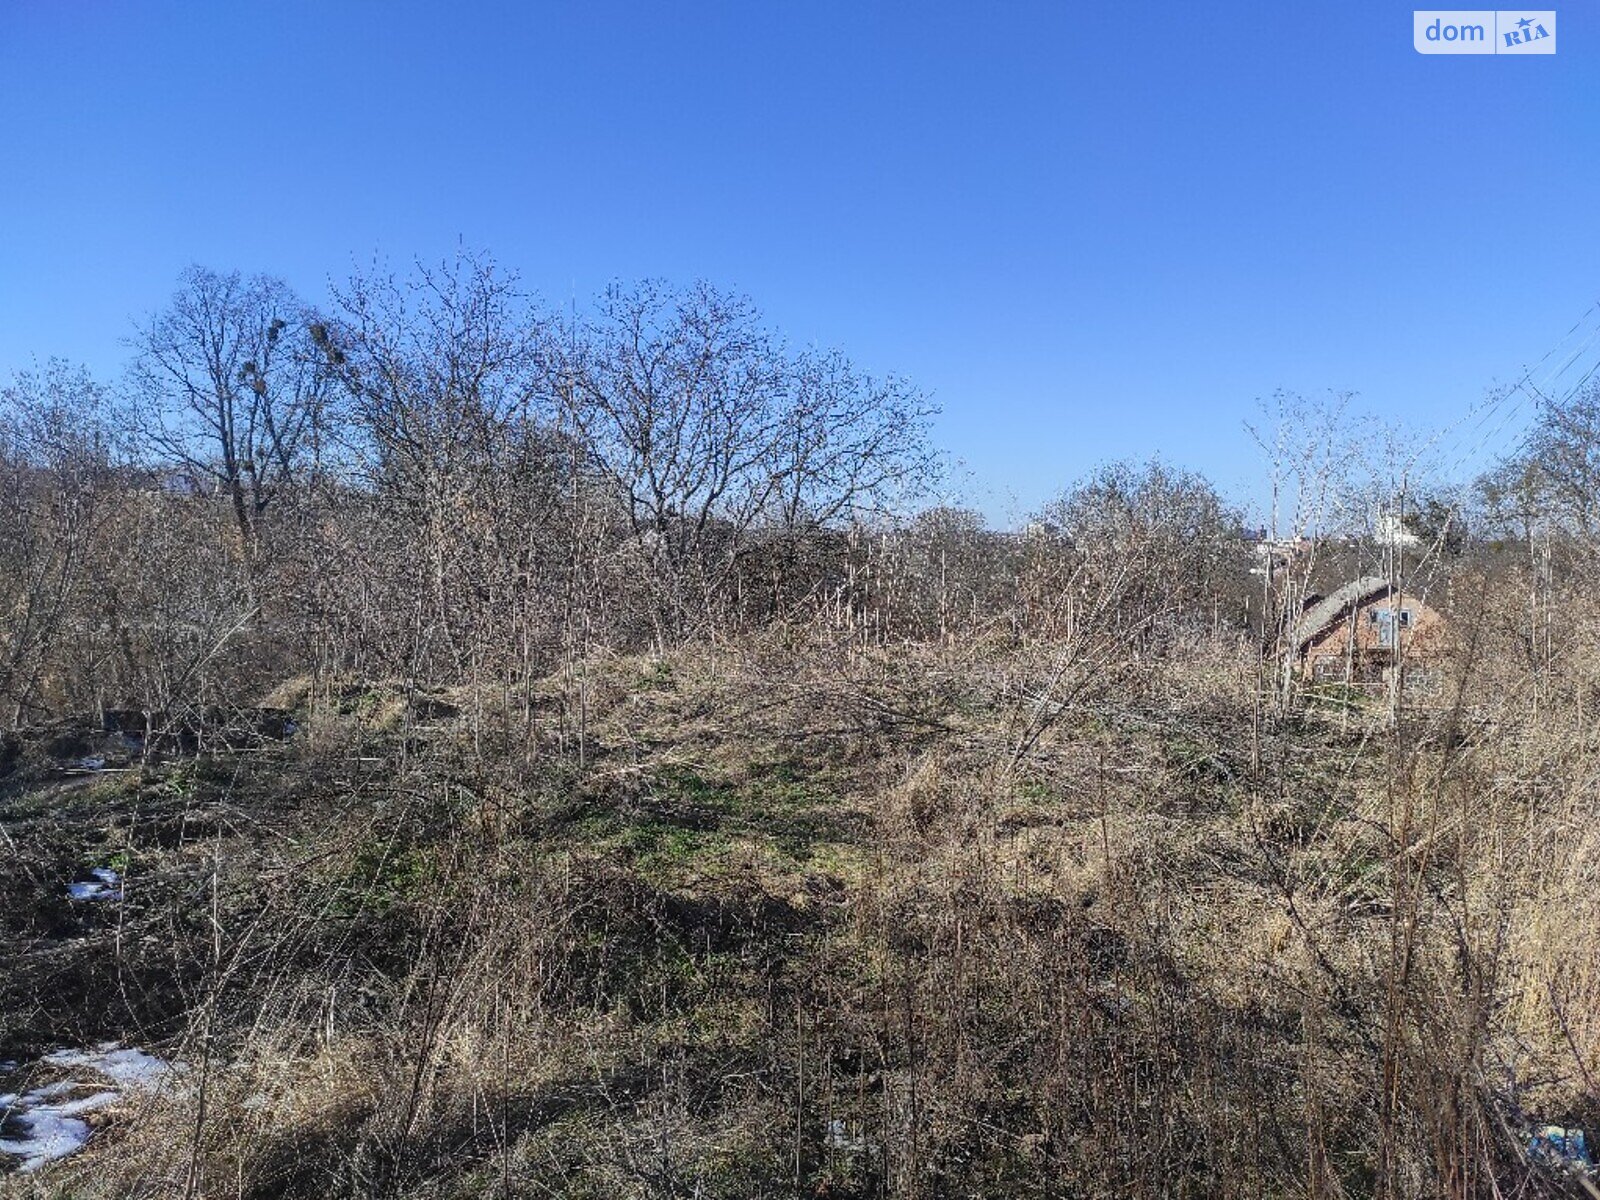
791, 919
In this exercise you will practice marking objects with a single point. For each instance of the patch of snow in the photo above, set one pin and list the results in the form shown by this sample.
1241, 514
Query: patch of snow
50, 1090
47, 1131
133, 1069
45, 1137
93, 763
105, 884
82, 1104
44, 1125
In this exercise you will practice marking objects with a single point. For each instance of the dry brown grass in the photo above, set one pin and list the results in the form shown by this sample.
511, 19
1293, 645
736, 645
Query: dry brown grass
806, 924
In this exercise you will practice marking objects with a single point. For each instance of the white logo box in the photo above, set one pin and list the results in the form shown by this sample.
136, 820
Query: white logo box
1484, 31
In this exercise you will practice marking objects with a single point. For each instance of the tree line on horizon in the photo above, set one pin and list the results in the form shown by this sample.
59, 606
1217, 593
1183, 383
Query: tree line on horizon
437, 480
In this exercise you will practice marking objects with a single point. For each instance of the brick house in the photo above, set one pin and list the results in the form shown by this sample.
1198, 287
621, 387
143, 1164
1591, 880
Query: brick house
1357, 633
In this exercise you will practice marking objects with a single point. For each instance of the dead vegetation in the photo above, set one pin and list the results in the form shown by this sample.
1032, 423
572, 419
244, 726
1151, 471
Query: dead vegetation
486, 756
817, 930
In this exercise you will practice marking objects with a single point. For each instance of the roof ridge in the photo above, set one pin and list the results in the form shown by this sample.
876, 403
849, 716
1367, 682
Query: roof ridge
1322, 614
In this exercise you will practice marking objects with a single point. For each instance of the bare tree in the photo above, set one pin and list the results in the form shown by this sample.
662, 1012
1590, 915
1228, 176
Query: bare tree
455, 438
1553, 481
848, 445
708, 428
677, 401
232, 391
1165, 533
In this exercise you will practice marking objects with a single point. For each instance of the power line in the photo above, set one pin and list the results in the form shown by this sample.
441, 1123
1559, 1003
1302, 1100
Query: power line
1524, 390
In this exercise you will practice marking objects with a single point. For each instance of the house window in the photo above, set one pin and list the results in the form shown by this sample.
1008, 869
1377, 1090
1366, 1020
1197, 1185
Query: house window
1383, 619
1386, 621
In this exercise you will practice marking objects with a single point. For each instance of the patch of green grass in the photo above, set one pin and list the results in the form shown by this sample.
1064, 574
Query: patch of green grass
118, 862
660, 850
686, 822
679, 782
794, 816
1035, 790
780, 770
384, 877
658, 676
778, 803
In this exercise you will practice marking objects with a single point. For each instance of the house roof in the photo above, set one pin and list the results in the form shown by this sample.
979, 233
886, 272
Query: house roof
1334, 605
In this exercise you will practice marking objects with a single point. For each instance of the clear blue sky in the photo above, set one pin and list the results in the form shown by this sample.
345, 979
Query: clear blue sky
1091, 232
